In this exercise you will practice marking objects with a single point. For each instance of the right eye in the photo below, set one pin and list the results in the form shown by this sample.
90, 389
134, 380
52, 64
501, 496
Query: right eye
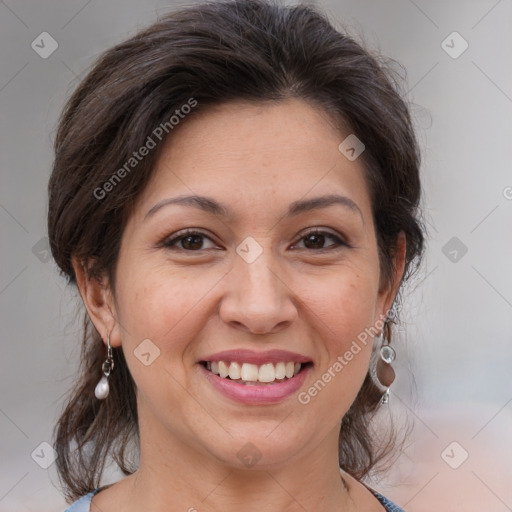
189, 240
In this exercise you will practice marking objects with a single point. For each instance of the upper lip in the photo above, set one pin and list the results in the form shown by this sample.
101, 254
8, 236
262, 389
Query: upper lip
250, 356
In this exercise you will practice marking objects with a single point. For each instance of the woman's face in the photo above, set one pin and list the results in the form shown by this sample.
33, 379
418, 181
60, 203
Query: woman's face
250, 285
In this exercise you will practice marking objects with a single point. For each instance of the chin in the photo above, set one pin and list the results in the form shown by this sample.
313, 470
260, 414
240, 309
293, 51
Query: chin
258, 450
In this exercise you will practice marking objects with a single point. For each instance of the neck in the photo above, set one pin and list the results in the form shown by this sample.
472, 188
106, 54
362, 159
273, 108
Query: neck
272, 491
178, 477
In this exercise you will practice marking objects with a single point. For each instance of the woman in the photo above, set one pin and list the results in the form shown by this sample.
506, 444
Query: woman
235, 195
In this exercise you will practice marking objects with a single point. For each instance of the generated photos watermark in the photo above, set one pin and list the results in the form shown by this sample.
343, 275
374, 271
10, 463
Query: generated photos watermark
151, 142
304, 397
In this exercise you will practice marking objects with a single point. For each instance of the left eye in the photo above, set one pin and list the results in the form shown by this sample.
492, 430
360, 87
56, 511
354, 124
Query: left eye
190, 241
317, 239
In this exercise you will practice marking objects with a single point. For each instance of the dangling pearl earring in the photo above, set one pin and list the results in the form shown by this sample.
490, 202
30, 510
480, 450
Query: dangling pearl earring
102, 389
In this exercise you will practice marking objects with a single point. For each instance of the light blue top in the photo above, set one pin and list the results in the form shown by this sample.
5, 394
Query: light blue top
84, 503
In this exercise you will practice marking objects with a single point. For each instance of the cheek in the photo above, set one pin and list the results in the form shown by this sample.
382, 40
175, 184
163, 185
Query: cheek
344, 311
158, 318
343, 301
154, 295
167, 306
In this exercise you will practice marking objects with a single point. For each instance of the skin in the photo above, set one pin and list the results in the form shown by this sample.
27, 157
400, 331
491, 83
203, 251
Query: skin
255, 159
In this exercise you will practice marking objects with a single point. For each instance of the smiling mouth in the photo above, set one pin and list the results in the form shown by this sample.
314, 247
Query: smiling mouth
255, 375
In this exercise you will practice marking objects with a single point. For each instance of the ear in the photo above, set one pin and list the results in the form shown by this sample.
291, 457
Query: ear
99, 302
388, 291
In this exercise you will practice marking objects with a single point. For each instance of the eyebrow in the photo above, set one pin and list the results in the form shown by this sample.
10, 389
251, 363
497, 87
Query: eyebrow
211, 206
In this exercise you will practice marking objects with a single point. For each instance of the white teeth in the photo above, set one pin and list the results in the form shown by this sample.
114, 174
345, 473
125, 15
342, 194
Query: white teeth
223, 369
234, 371
251, 373
280, 370
267, 373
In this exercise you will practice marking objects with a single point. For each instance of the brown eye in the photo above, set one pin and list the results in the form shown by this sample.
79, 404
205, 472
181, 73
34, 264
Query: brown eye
314, 241
192, 242
318, 239
188, 241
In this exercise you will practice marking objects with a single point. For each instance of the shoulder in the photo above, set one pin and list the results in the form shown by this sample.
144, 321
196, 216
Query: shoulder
388, 504
83, 504
366, 497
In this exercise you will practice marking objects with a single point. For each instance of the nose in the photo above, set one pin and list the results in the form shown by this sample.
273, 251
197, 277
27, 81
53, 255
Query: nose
258, 298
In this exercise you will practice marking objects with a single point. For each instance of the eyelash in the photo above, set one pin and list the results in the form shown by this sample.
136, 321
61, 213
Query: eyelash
171, 242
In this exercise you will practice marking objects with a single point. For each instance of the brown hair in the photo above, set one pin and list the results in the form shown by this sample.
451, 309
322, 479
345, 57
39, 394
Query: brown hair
212, 53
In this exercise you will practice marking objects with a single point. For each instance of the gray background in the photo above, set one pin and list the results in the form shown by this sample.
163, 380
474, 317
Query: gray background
455, 355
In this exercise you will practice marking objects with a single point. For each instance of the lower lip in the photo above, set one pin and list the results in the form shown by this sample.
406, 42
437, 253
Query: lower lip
256, 394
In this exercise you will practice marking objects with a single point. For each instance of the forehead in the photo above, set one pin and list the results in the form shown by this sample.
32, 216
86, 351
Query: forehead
256, 154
